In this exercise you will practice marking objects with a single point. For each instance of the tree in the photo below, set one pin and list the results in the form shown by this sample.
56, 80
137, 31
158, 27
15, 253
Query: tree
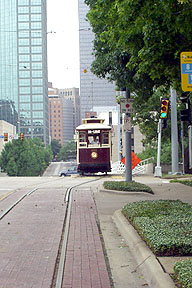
138, 44
55, 146
68, 151
25, 158
150, 34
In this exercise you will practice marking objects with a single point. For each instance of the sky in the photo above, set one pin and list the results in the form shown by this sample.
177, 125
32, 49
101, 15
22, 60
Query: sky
63, 43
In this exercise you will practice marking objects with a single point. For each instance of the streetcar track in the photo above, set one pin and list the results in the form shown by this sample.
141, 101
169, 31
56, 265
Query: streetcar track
60, 265
16, 202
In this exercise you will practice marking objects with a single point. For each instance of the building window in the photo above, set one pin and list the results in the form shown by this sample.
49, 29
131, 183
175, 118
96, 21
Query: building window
24, 49
23, 2
36, 9
24, 82
36, 82
23, 10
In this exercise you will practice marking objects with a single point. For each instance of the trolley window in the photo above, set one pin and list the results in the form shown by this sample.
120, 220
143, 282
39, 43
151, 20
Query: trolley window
93, 140
82, 139
105, 138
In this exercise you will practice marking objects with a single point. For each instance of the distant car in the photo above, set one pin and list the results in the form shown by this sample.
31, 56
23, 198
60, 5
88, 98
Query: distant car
68, 172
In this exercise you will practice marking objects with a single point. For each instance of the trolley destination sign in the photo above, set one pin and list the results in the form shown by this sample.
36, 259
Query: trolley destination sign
186, 71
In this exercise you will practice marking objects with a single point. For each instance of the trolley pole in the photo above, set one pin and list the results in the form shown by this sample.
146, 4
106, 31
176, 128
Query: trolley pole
128, 160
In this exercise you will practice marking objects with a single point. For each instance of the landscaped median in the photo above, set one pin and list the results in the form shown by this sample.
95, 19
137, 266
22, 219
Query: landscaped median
127, 186
185, 182
165, 225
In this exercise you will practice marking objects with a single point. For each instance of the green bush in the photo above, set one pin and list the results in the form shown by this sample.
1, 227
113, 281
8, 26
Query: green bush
165, 225
127, 186
183, 273
185, 182
151, 151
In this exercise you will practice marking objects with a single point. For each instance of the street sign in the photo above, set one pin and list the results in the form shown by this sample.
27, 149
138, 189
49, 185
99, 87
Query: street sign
127, 123
186, 71
126, 105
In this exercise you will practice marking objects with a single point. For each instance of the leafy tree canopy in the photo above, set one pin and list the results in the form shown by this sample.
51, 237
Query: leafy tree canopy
68, 151
55, 146
25, 158
142, 38
138, 44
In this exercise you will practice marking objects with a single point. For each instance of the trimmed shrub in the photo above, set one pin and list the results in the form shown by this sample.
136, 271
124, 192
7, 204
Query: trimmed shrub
127, 186
165, 225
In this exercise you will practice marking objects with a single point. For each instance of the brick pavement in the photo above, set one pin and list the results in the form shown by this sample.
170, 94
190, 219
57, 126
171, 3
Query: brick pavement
29, 240
85, 265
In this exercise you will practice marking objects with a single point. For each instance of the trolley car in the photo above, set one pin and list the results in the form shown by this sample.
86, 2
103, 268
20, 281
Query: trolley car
94, 146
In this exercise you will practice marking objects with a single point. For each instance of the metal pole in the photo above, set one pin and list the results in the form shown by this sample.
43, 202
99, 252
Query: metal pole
190, 146
119, 134
158, 172
182, 144
174, 132
128, 160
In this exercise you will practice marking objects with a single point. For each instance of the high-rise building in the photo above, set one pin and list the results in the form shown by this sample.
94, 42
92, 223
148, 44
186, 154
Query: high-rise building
64, 113
93, 90
73, 94
23, 67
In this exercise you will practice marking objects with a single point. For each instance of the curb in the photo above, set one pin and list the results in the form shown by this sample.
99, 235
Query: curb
146, 260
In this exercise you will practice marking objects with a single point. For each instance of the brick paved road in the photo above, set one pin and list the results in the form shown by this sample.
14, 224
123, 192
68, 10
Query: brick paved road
85, 265
30, 236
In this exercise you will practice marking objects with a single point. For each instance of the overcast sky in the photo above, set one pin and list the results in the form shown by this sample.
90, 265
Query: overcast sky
63, 46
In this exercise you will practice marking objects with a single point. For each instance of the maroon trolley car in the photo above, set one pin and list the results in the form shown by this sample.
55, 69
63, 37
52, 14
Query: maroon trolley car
94, 146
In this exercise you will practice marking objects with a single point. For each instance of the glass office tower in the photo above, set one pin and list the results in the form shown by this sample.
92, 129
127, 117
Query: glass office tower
23, 66
93, 90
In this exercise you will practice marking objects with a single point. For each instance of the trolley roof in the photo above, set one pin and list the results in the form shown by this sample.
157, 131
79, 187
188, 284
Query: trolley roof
93, 126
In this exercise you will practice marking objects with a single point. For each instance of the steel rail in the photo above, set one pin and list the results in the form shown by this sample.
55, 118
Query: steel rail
16, 202
65, 234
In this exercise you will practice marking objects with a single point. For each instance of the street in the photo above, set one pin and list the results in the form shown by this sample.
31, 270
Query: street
37, 210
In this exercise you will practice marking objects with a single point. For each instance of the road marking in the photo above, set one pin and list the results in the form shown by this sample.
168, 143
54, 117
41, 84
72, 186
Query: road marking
6, 195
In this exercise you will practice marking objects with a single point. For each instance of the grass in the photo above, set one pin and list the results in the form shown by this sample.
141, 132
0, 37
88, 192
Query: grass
127, 186
166, 227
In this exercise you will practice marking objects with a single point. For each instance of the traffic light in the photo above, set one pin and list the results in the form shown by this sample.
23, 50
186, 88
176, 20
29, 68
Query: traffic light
186, 113
164, 109
21, 136
5, 136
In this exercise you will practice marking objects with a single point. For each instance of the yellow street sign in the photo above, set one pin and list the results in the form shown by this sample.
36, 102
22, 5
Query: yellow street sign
186, 71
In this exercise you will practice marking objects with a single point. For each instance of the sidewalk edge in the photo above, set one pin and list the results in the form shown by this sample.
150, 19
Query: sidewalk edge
147, 261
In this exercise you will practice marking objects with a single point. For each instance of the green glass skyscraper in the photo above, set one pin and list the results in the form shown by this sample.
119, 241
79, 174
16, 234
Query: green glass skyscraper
23, 66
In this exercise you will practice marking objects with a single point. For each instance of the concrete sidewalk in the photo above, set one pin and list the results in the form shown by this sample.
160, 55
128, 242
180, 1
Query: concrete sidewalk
155, 270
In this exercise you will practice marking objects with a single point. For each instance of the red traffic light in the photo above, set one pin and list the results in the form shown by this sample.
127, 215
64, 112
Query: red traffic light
5, 136
21, 136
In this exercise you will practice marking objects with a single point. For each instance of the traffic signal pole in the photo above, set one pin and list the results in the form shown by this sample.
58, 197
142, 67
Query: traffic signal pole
174, 133
128, 160
158, 172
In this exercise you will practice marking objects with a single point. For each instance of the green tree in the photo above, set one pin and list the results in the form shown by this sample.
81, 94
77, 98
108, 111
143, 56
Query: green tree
25, 158
55, 146
68, 151
149, 34
138, 44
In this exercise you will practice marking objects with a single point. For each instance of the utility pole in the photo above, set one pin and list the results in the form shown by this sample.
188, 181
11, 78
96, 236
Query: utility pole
128, 160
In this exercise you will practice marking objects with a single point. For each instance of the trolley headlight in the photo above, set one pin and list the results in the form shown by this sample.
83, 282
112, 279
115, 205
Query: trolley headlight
94, 155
